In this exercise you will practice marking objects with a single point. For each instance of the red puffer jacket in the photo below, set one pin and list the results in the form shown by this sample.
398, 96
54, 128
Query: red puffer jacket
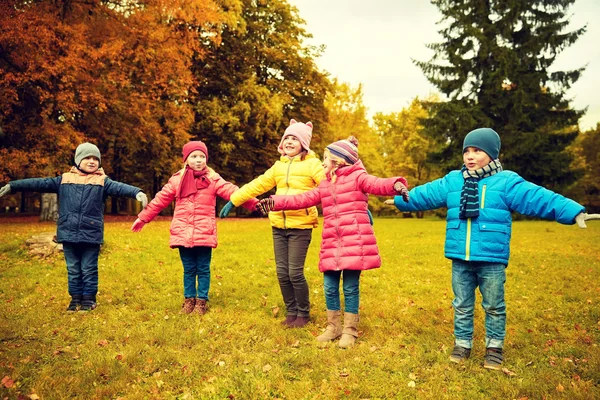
348, 240
194, 223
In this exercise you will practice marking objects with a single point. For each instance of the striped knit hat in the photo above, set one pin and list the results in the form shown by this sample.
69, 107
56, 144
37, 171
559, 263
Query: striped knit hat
347, 149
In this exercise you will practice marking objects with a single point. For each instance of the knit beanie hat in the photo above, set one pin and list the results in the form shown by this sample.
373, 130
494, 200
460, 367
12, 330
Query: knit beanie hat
301, 131
345, 149
485, 139
85, 150
193, 146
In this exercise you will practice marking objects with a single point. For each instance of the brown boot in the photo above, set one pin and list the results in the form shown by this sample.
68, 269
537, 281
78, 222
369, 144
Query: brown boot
188, 305
289, 320
200, 307
350, 332
300, 322
334, 326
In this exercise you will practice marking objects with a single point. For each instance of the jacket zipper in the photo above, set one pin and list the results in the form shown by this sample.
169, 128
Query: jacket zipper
483, 196
337, 231
468, 245
287, 183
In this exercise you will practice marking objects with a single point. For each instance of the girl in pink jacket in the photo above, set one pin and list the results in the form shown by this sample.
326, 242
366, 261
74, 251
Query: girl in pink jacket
193, 228
348, 243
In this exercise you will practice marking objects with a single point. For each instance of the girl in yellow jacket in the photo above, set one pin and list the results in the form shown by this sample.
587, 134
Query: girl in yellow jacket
297, 171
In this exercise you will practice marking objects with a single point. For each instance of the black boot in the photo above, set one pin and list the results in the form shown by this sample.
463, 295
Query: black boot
88, 302
75, 302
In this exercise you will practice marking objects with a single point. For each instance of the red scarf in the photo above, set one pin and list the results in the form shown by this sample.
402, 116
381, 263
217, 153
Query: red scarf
192, 181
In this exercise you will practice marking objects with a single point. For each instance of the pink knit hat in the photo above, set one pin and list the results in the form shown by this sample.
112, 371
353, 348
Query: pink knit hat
193, 146
303, 132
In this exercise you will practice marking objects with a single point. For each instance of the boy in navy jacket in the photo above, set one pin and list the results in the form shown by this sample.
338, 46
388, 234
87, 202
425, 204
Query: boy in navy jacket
480, 198
82, 193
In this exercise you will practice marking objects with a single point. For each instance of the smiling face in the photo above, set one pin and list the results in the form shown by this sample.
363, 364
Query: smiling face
291, 146
89, 165
475, 158
196, 160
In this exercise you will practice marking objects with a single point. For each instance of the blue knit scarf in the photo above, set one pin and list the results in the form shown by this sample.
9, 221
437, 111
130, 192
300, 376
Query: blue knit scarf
469, 197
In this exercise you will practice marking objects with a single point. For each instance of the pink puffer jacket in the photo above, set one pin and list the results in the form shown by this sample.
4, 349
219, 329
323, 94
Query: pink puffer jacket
194, 222
348, 240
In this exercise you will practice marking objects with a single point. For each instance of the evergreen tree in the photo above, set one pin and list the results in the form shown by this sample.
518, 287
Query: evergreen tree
494, 65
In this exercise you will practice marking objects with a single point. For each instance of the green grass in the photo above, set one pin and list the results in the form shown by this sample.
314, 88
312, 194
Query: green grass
136, 344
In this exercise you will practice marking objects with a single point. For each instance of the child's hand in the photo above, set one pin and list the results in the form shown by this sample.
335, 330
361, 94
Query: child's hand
226, 209
137, 225
5, 190
402, 190
141, 197
389, 202
582, 217
265, 205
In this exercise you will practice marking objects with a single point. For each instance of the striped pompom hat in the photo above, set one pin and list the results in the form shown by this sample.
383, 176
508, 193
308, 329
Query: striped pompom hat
346, 149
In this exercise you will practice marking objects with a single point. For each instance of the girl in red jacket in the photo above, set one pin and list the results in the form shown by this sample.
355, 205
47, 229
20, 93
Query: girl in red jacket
193, 228
348, 243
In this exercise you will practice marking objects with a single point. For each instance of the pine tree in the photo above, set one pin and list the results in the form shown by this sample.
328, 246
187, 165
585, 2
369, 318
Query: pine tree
494, 65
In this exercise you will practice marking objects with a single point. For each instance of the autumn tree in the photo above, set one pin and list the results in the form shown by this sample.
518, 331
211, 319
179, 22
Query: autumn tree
586, 150
251, 83
494, 64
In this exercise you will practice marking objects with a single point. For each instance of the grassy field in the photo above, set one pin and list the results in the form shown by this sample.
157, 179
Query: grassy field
136, 344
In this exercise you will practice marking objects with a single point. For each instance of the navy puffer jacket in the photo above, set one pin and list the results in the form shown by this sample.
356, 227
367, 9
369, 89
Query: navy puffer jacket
81, 200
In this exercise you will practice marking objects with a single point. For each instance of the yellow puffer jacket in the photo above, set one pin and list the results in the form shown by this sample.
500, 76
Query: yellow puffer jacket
291, 176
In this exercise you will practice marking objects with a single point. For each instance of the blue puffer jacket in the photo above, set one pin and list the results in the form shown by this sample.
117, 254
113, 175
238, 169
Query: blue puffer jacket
81, 202
487, 237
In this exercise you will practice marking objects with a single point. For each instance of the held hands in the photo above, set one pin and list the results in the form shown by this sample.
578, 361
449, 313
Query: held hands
402, 191
226, 209
137, 225
5, 190
141, 197
265, 205
582, 217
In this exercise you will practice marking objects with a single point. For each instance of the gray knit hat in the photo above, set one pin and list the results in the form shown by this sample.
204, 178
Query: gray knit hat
86, 150
485, 139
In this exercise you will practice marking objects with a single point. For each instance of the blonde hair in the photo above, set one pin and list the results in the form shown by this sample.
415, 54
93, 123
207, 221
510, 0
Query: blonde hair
336, 162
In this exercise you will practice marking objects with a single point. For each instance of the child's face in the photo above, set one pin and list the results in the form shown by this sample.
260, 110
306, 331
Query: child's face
89, 165
328, 164
475, 158
291, 146
196, 160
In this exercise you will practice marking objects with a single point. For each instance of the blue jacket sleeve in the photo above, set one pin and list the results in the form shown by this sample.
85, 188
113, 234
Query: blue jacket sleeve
42, 185
429, 196
118, 189
530, 199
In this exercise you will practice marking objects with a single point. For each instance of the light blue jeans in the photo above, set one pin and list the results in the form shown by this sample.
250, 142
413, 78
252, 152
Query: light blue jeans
196, 265
490, 277
331, 288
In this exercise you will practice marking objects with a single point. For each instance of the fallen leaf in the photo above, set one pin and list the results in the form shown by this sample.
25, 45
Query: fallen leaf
296, 344
412, 376
102, 342
267, 368
8, 382
412, 384
508, 372
34, 396
275, 311
119, 357
560, 388
529, 363
344, 374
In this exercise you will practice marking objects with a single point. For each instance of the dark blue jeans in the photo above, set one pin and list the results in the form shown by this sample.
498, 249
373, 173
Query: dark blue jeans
490, 277
196, 266
331, 288
82, 267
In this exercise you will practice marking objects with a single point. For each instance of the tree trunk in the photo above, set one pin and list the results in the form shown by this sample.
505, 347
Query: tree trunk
49, 210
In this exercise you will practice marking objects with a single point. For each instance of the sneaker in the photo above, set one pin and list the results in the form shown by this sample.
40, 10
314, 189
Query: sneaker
75, 303
459, 354
493, 358
289, 320
300, 322
200, 307
88, 303
188, 305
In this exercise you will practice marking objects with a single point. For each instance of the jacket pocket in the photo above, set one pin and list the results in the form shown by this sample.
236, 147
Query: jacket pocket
453, 236
494, 238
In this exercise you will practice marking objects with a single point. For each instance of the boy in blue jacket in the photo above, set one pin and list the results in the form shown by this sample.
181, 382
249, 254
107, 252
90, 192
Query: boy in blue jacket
480, 198
81, 193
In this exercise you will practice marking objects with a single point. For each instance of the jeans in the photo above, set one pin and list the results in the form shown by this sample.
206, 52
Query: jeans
82, 268
490, 277
196, 266
331, 288
291, 246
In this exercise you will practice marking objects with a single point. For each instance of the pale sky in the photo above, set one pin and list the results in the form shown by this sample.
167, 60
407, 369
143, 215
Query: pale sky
373, 43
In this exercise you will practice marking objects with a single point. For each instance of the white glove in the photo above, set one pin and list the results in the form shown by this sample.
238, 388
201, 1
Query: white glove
582, 217
389, 202
5, 190
141, 197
